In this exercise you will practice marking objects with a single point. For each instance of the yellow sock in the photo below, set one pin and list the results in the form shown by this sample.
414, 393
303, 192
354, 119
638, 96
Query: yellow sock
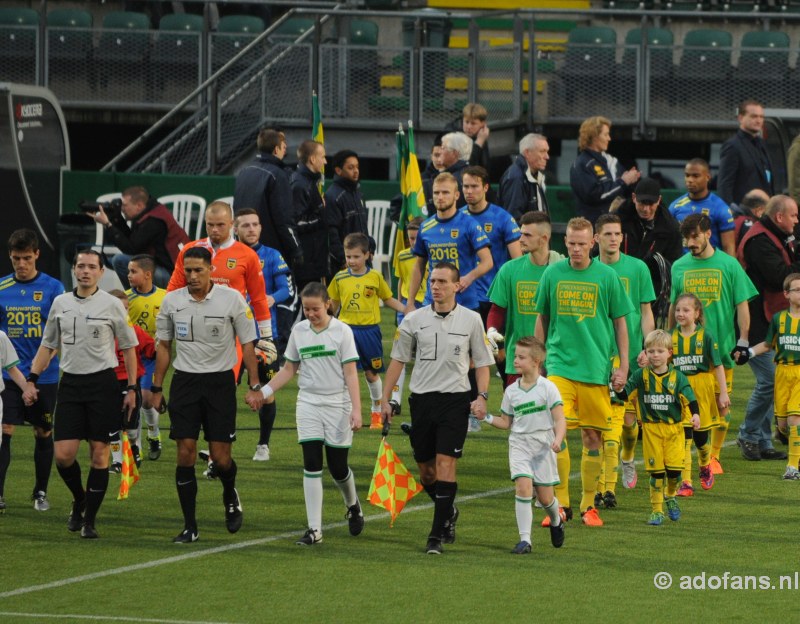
563, 465
610, 464
718, 437
591, 462
686, 475
672, 487
629, 437
794, 446
656, 494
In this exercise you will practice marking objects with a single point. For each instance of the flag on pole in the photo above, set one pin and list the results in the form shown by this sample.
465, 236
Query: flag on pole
392, 485
410, 187
130, 473
316, 132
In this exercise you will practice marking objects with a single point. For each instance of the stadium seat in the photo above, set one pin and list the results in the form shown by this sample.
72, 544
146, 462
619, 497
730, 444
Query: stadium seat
363, 32
377, 217
69, 43
659, 42
705, 65
175, 55
687, 5
18, 38
123, 46
363, 63
763, 67
234, 33
188, 210
589, 61
292, 28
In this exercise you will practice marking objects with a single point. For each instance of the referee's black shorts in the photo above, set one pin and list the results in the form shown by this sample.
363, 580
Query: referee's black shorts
439, 424
203, 399
88, 407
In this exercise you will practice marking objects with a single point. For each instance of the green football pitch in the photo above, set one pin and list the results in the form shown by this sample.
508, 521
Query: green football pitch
726, 556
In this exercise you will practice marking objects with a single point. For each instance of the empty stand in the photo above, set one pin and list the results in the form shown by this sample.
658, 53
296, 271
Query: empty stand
69, 45
122, 51
18, 44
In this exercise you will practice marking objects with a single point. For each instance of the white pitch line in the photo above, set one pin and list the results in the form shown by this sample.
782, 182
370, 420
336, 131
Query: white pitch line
218, 549
239, 545
103, 618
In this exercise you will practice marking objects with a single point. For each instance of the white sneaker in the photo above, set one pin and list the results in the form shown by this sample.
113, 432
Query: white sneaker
629, 477
474, 424
262, 453
40, 502
791, 474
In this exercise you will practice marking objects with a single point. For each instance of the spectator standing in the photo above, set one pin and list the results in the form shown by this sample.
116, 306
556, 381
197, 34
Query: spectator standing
345, 210
309, 215
522, 187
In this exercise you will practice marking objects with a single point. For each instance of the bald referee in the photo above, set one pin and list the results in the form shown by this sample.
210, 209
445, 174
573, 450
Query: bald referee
443, 337
83, 325
204, 319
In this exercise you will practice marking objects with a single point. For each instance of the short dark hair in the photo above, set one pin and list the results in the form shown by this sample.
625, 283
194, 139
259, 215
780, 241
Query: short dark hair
700, 162
340, 158
753, 200
745, 103
605, 219
452, 267
534, 217
269, 139
315, 289
356, 240
137, 194
476, 171
307, 149
23, 240
201, 253
414, 224
792, 277
695, 222
146, 262
243, 212
87, 251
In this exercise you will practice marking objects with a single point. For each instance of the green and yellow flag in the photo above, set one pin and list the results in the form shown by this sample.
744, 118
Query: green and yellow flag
410, 186
392, 485
130, 473
316, 132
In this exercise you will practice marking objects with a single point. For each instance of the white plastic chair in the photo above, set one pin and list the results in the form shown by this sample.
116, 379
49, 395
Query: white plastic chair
109, 250
186, 209
377, 216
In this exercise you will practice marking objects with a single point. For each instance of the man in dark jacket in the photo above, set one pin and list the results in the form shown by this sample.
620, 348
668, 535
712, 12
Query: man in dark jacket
153, 231
768, 254
747, 212
345, 210
309, 215
264, 186
744, 162
522, 186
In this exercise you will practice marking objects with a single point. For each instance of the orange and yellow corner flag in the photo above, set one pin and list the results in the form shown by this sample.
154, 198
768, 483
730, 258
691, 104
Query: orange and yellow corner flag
130, 473
392, 485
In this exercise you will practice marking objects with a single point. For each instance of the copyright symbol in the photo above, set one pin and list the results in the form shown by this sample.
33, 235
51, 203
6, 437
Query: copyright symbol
662, 580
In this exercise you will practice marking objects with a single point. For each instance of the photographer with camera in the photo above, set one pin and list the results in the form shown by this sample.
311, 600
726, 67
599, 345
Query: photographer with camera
153, 231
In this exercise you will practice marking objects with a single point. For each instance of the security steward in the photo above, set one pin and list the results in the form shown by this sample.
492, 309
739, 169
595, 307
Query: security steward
204, 319
83, 325
443, 338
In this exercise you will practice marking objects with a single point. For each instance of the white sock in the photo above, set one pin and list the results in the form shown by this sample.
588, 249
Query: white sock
348, 489
133, 436
524, 511
552, 511
375, 391
116, 451
397, 391
151, 418
312, 490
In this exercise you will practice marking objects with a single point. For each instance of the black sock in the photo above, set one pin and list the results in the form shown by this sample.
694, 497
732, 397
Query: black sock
430, 490
266, 419
186, 482
72, 479
43, 462
5, 460
228, 478
443, 506
96, 486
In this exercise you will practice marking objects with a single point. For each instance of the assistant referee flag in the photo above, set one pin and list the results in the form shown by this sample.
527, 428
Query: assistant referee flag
392, 485
130, 473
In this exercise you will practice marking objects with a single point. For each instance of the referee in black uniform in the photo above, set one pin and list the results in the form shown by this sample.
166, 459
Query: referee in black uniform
83, 325
204, 319
442, 338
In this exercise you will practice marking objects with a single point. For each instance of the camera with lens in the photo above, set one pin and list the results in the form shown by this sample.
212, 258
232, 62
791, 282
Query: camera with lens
112, 208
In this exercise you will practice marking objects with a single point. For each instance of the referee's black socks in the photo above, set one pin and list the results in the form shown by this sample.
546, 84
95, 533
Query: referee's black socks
430, 490
186, 482
228, 478
71, 476
266, 420
443, 506
96, 486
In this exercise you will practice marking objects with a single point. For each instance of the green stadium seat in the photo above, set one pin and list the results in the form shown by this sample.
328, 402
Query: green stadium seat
234, 33
705, 65
363, 63
293, 27
18, 36
176, 51
123, 46
763, 67
363, 32
589, 61
659, 41
69, 43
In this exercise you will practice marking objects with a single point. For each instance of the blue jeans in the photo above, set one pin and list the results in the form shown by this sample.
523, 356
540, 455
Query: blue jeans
120, 264
758, 417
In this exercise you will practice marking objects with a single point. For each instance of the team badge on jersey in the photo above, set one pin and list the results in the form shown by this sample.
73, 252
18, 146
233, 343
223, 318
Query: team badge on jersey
487, 227
231, 263
599, 170
369, 292
453, 233
377, 363
262, 265
38, 295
